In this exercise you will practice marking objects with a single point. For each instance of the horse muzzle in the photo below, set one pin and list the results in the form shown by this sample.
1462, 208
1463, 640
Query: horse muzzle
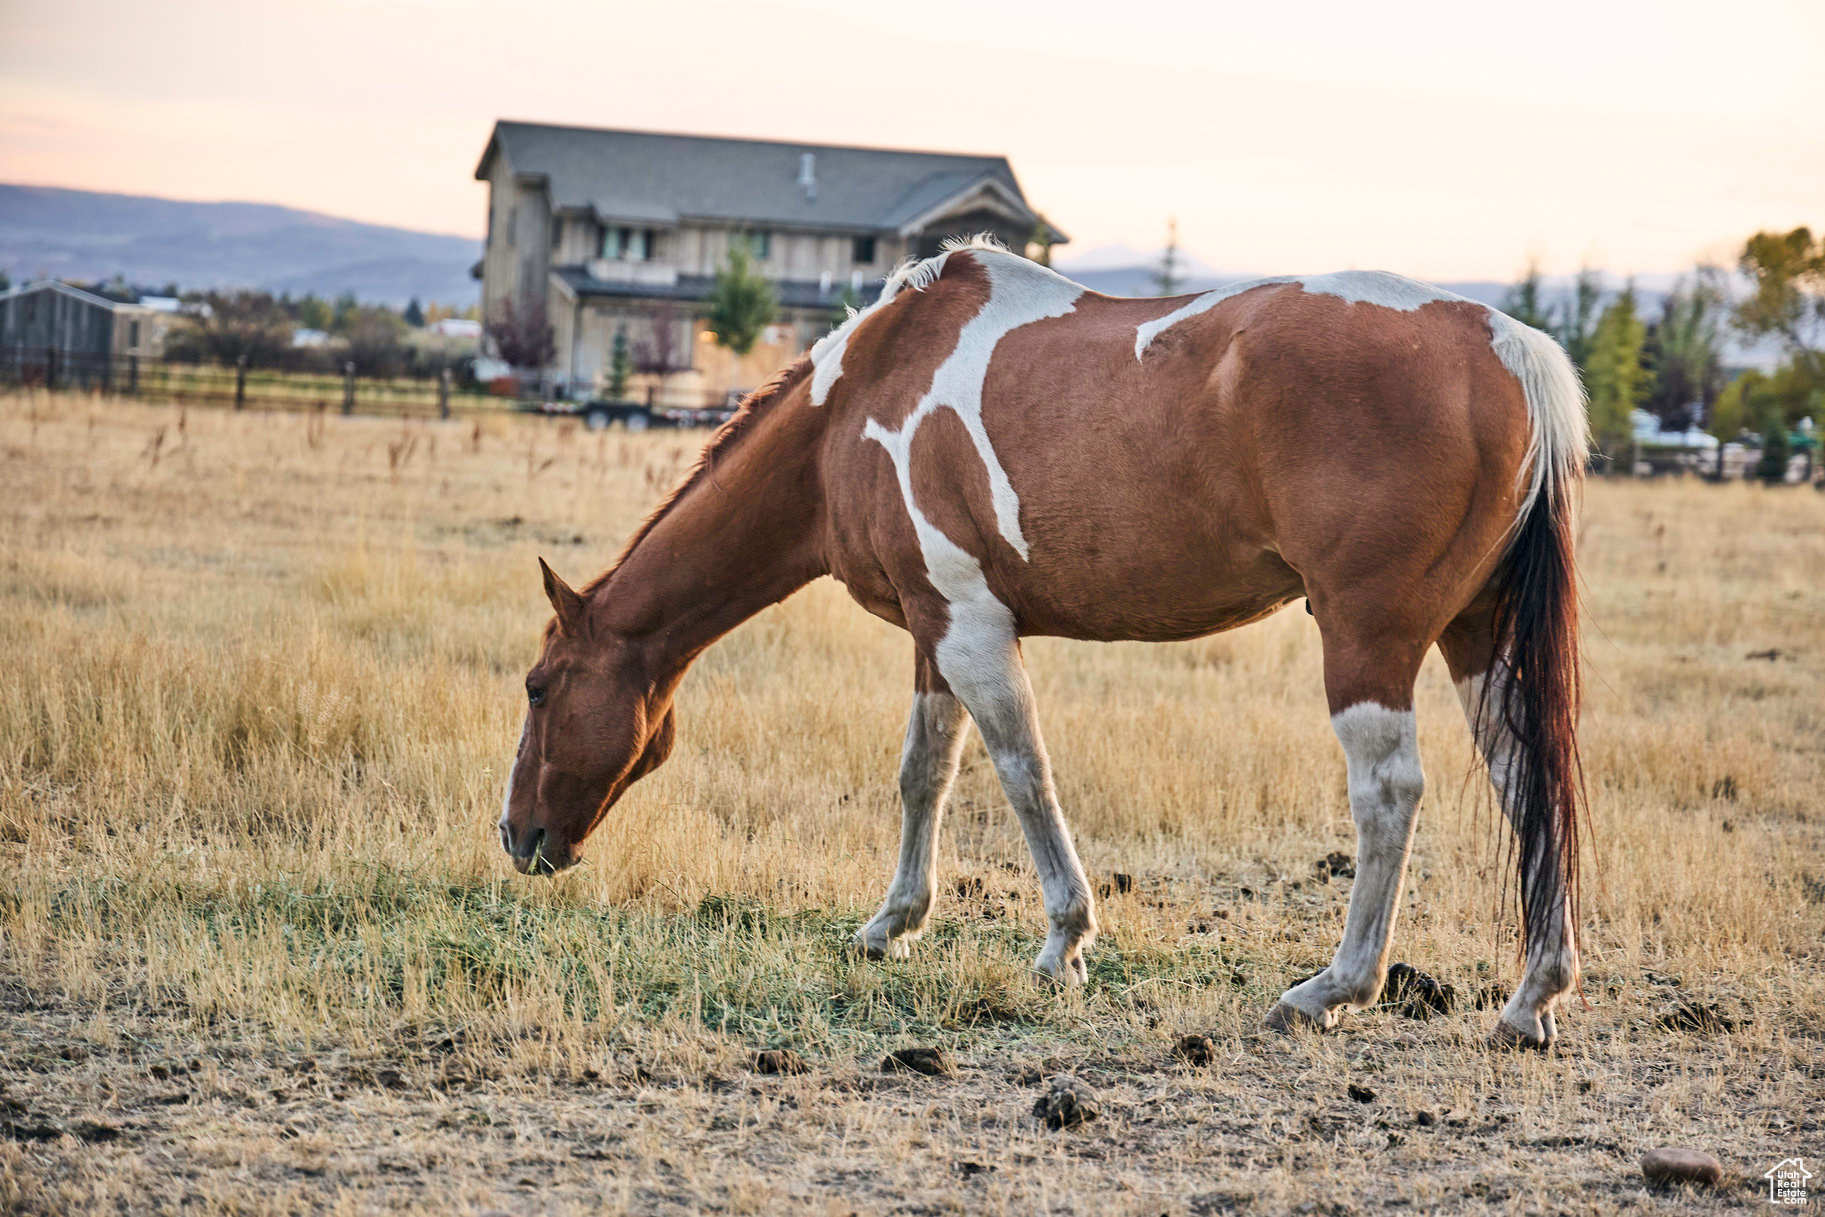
535, 853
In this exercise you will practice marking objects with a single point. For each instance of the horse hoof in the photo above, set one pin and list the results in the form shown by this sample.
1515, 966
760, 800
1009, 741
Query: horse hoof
893, 948
1066, 974
1510, 1038
1286, 1019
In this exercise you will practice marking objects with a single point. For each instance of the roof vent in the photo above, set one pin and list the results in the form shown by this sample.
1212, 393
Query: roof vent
807, 175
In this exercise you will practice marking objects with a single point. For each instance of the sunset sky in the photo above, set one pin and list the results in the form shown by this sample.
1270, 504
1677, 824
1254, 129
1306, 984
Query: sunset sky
1445, 140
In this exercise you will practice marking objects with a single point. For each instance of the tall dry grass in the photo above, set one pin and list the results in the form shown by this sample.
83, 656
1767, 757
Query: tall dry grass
262, 678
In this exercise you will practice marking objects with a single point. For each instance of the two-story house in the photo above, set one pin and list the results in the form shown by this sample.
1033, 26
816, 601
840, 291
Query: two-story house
597, 233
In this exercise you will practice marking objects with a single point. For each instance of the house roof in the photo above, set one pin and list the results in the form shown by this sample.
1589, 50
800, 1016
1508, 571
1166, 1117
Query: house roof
661, 178
66, 289
693, 289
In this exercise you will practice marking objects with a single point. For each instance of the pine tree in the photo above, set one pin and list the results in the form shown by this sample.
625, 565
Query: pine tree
1041, 241
620, 365
742, 303
1682, 354
1577, 324
1168, 278
1523, 301
415, 314
1614, 375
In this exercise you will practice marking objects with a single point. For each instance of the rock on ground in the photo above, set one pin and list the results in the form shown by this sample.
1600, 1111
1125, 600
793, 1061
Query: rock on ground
1671, 1164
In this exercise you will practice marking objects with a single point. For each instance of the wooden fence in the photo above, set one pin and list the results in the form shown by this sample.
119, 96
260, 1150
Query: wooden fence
240, 387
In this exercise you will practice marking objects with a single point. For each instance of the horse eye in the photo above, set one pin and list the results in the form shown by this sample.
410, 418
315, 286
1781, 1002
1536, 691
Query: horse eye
535, 696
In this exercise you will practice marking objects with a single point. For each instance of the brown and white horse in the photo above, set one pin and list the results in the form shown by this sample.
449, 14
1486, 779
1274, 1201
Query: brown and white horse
992, 451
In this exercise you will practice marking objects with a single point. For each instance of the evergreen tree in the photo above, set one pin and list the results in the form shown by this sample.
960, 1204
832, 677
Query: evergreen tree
314, 313
345, 309
1776, 453
742, 303
1577, 324
1682, 355
620, 365
1523, 301
414, 314
1041, 241
1168, 277
1614, 375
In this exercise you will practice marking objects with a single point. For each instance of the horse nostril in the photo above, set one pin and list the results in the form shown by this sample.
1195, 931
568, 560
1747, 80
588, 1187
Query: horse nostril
535, 843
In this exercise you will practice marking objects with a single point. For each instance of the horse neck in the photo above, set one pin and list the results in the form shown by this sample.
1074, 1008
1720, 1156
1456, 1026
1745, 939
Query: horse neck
742, 535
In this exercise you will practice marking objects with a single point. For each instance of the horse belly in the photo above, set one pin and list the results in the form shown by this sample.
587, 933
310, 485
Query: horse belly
1095, 579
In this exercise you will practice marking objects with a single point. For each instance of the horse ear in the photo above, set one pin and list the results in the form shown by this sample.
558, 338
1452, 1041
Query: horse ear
566, 603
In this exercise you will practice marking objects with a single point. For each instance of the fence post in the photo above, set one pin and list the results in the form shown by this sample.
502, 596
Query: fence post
348, 387
133, 374
443, 393
240, 381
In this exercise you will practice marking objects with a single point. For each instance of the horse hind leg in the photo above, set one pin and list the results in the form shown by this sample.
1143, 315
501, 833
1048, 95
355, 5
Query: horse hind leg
1551, 968
928, 766
1369, 681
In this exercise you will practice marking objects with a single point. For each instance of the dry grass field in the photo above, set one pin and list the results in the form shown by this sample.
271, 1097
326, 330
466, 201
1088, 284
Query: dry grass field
260, 951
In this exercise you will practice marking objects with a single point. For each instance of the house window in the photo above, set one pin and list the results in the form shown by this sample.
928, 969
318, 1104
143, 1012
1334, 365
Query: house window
862, 251
629, 244
760, 244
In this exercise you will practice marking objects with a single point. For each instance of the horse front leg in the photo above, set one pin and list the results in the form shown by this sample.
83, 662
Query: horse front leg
979, 656
928, 764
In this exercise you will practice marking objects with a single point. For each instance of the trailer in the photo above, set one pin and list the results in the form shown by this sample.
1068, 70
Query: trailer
601, 413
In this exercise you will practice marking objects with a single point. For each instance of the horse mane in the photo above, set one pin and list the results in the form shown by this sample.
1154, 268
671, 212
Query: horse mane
719, 445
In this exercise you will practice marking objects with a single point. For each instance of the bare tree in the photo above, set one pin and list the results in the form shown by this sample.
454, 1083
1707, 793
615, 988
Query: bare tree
657, 354
228, 327
522, 336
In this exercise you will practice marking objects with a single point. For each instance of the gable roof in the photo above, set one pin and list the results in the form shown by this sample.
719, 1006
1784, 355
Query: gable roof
661, 178
66, 289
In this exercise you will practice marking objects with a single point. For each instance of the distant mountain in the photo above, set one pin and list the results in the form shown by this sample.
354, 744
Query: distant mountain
1121, 270
80, 234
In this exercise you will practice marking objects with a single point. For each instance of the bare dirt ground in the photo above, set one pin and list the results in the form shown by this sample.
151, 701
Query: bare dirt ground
259, 952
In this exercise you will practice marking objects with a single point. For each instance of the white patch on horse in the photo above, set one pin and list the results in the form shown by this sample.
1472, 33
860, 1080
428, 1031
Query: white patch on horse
910, 275
1555, 399
827, 352
1147, 331
507, 797
1020, 293
1381, 747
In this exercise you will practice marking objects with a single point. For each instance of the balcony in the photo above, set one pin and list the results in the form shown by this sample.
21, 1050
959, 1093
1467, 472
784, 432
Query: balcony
624, 270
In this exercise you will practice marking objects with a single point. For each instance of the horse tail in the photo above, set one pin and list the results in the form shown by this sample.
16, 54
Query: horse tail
1538, 694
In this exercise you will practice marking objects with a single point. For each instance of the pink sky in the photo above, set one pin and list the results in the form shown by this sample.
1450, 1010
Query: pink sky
1446, 140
